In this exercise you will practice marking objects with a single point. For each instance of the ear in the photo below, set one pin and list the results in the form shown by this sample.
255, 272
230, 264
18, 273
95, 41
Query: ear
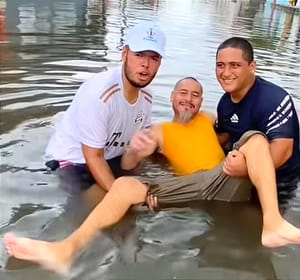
172, 96
201, 100
124, 53
253, 66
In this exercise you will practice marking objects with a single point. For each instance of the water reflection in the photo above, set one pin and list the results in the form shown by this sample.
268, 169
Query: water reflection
48, 47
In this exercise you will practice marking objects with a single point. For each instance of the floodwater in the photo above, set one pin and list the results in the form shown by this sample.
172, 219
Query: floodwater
48, 47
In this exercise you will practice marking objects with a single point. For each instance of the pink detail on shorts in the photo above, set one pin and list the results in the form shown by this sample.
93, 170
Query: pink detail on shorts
64, 163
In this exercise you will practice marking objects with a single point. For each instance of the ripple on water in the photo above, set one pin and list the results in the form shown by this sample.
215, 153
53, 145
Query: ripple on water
47, 38
13, 72
166, 233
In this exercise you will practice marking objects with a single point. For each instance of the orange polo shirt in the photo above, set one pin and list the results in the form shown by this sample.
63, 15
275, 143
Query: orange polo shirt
192, 146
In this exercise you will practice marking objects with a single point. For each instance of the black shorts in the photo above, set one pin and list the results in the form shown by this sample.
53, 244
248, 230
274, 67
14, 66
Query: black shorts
76, 177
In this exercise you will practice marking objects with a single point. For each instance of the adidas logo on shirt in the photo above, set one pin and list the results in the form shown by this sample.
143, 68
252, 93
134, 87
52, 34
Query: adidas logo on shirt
234, 118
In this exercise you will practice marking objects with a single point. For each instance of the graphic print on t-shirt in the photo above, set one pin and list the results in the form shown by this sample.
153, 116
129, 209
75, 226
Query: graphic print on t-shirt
140, 117
114, 140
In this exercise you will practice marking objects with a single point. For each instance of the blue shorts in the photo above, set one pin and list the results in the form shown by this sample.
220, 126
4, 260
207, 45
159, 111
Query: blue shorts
76, 177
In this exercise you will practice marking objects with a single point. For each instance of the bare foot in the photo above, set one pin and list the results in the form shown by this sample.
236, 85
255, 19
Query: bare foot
282, 235
53, 256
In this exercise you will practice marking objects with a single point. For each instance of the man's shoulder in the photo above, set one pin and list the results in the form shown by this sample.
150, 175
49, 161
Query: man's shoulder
208, 115
104, 77
104, 84
225, 100
266, 89
266, 96
147, 94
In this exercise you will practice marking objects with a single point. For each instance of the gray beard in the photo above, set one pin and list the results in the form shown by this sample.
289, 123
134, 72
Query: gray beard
185, 117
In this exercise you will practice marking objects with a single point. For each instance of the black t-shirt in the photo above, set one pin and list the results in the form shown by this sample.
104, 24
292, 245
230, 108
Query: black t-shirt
267, 108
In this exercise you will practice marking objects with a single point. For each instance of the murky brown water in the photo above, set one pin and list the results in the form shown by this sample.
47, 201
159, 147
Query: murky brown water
48, 47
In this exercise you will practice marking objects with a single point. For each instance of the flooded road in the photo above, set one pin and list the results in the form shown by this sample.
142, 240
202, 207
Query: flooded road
48, 47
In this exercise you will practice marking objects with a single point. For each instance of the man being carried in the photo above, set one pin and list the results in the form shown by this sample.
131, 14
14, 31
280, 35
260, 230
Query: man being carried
191, 145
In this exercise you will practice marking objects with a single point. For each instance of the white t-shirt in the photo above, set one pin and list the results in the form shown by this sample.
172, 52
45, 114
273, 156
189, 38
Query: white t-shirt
99, 117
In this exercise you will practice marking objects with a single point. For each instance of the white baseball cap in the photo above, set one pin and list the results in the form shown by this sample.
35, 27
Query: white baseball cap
146, 37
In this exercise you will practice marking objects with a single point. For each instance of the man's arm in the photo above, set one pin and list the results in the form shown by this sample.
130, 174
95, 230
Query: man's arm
98, 166
281, 150
275, 119
131, 158
143, 144
223, 139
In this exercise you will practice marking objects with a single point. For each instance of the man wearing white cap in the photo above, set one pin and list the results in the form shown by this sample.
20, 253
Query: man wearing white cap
104, 114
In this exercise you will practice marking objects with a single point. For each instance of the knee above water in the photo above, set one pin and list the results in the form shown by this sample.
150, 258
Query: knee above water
125, 182
259, 140
129, 186
255, 144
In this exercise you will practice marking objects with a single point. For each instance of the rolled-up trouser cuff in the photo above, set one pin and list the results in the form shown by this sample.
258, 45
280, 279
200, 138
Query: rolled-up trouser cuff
245, 137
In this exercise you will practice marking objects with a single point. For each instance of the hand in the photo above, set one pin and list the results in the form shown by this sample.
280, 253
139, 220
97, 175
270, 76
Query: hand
151, 201
235, 164
143, 143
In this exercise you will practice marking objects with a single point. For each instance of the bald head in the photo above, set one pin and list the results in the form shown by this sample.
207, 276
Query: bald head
186, 79
186, 99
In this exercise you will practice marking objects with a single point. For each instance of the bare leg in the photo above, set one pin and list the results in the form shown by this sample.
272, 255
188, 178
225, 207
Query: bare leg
93, 196
58, 256
276, 231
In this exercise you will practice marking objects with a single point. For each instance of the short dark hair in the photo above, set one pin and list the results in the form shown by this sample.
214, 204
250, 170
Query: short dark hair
238, 43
